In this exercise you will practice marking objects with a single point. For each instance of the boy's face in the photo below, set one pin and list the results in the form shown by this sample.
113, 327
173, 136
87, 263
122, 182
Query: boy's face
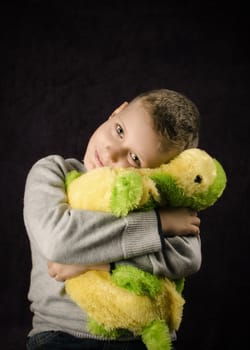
127, 139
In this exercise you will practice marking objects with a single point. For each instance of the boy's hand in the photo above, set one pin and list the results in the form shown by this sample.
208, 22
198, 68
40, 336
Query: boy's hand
179, 221
61, 272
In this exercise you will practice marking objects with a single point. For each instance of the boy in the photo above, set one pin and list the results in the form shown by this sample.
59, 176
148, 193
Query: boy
150, 130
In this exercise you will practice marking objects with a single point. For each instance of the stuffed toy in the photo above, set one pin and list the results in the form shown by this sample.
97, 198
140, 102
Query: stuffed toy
129, 300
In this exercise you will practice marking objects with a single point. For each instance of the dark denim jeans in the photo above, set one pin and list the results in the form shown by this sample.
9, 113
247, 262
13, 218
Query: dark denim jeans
63, 341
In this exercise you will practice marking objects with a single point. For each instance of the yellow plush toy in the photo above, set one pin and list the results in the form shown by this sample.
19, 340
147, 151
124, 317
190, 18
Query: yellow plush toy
129, 299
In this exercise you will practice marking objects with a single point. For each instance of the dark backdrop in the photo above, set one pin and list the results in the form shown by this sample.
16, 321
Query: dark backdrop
65, 65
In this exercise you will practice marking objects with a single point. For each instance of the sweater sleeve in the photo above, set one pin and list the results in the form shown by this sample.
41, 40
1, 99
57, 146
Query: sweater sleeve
68, 236
179, 257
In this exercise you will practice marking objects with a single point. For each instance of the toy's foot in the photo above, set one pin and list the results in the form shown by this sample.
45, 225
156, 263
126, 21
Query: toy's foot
156, 336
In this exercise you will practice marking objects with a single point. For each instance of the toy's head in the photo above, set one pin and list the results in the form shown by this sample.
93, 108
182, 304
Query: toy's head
193, 179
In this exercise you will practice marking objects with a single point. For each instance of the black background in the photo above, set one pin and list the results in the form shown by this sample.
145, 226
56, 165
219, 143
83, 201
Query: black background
65, 66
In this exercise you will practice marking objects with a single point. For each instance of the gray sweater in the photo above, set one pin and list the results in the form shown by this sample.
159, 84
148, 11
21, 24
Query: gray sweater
59, 233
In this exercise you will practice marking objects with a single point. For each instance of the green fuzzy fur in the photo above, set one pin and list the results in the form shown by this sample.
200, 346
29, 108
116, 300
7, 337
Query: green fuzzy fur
98, 329
136, 281
208, 198
173, 196
70, 176
180, 285
126, 193
169, 190
220, 181
156, 336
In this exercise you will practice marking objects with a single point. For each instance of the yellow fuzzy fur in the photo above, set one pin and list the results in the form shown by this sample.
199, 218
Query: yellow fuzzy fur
116, 307
92, 190
92, 197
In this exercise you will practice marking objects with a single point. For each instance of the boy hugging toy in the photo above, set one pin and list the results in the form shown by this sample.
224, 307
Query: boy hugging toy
129, 300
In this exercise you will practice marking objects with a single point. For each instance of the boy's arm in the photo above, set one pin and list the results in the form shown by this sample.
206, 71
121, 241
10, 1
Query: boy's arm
180, 257
181, 254
61, 272
75, 236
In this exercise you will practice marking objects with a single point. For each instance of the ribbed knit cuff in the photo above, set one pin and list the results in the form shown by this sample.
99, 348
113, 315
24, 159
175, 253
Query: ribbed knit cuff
163, 244
141, 236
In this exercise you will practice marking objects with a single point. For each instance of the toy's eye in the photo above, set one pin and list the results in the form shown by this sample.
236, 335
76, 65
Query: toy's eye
198, 179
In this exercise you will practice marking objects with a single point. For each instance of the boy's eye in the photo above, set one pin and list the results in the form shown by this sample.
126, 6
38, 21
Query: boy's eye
135, 159
119, 130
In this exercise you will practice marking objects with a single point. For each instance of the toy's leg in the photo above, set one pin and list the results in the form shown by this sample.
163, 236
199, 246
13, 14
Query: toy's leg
99, 329
156, 336
136, 280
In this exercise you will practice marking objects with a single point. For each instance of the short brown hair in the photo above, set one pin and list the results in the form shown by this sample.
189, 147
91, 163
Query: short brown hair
174, 116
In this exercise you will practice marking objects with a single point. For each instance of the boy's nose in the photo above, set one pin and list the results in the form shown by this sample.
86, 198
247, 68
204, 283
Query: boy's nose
116, 153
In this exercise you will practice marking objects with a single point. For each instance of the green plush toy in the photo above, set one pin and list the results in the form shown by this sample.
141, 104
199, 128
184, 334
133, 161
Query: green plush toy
129, 299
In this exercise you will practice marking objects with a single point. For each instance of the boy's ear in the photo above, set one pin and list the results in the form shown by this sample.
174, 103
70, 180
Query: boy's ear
119, 109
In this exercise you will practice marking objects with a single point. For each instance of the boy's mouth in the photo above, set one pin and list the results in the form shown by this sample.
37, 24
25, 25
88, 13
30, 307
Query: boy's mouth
98, 160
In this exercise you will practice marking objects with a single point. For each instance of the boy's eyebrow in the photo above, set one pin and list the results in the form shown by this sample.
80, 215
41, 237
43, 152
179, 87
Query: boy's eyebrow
121, 121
